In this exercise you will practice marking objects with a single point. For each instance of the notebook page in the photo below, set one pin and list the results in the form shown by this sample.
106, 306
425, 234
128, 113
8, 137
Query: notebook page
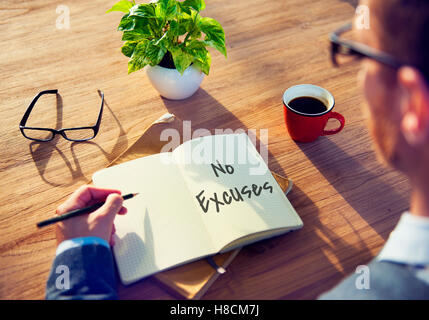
161, 228
232, 188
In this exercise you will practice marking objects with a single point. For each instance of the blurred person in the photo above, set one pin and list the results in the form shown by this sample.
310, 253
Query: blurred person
397, 104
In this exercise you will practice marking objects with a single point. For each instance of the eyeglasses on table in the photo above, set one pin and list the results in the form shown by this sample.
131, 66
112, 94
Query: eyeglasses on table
47, 134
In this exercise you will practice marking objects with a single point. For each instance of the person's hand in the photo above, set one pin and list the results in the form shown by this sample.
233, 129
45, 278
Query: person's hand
95, 224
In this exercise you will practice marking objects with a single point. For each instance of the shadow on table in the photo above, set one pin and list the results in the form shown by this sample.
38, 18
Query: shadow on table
43, 152
361, 188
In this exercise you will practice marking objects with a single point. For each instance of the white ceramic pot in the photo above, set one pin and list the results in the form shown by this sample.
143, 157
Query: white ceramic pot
172, 85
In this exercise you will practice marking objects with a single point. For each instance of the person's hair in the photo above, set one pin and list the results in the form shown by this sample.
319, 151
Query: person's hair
405, 31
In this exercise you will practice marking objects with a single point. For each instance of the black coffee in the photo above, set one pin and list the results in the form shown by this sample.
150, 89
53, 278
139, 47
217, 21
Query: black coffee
307, 105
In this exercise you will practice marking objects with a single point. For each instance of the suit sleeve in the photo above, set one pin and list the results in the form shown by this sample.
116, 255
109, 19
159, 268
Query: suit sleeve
83, 272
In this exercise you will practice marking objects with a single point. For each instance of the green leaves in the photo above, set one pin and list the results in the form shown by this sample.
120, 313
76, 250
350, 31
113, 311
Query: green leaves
128, 48
138, 58
155, 52
178, 28
215, 36
126, 23
146, 18
136, 34
166, 9
197, 5
204, 65
202, 58
182, 59
122, 6
145, 10
143, 53
150, 30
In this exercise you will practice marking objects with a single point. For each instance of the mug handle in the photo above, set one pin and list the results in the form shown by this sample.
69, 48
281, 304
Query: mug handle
340, 118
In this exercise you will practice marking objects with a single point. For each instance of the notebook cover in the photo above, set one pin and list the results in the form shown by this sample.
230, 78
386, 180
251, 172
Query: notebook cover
192, 280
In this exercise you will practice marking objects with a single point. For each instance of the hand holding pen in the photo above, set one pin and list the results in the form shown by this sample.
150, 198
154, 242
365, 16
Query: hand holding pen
88, 212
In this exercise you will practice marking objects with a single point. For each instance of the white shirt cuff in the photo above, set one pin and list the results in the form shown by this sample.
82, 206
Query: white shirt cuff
78, 242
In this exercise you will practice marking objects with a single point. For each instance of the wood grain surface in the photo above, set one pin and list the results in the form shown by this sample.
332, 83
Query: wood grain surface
348, 202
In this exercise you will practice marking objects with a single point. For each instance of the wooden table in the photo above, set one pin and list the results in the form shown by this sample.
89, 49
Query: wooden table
348, 201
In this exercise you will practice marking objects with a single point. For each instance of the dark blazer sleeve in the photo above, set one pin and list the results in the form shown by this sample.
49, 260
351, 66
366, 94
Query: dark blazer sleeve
84, 272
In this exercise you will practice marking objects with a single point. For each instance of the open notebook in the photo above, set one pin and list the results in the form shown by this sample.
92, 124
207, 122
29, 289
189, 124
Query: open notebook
210, 195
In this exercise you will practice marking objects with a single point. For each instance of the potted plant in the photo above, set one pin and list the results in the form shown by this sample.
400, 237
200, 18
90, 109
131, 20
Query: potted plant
171, 38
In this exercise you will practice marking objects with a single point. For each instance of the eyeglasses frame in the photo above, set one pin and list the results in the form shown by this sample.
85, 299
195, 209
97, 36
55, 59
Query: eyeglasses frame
350, 47
62, 131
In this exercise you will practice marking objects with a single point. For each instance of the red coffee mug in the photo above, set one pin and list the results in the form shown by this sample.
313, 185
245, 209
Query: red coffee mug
304, 127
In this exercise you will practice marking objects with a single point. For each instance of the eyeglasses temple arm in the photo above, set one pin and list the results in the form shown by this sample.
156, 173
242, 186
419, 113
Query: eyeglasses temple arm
101, 94
33, 102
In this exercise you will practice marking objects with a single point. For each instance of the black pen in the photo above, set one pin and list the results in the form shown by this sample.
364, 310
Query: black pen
79, 212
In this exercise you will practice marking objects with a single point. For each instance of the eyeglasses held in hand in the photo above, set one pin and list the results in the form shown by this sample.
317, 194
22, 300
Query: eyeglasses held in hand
47, 134
344, 51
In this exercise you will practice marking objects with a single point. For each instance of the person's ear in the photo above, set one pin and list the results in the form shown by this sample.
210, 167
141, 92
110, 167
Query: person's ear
414, 106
